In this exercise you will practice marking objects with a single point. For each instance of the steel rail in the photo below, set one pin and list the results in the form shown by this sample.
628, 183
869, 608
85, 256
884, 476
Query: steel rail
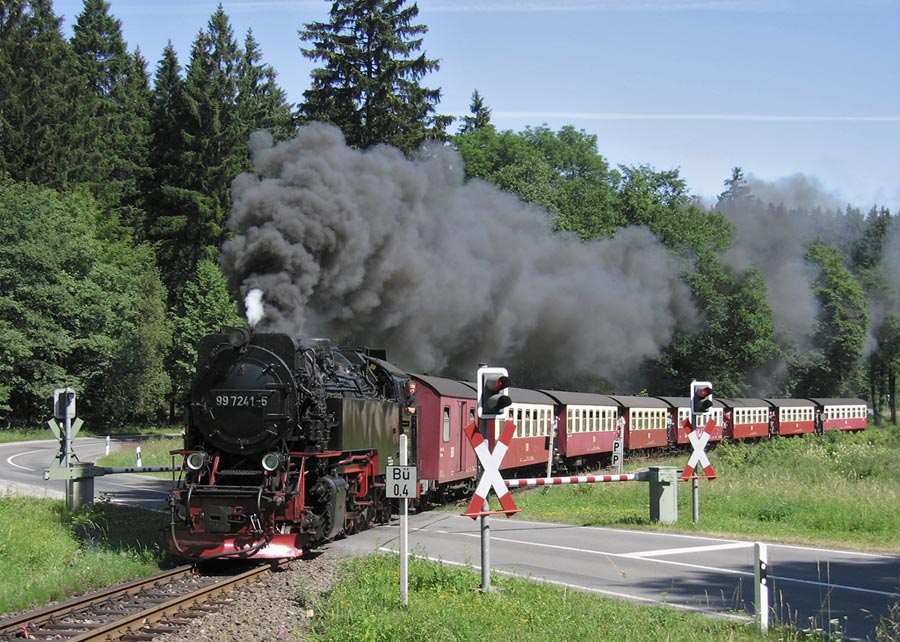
18, 622
132, 623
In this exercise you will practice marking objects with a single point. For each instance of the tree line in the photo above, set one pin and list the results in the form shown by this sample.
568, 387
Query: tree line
115, 191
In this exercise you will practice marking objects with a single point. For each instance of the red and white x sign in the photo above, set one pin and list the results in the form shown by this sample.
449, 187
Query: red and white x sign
490, 477
699, 439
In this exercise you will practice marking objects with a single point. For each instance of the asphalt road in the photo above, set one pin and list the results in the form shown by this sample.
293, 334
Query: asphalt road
22, 467
836, 588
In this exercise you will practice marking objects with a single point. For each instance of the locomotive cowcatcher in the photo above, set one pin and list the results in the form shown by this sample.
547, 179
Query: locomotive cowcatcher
286, 445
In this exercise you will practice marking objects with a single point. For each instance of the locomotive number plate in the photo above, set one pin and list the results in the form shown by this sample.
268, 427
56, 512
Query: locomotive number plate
240, 398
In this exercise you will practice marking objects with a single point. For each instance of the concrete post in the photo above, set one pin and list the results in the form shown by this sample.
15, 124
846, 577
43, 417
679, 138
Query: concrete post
664, 494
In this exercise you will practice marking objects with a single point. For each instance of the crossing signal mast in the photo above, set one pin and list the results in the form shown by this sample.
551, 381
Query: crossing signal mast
493, 392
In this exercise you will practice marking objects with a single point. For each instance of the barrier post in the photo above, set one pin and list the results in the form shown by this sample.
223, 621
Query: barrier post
81, 487
664, 494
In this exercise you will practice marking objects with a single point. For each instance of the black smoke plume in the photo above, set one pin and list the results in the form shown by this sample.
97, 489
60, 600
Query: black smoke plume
444, 273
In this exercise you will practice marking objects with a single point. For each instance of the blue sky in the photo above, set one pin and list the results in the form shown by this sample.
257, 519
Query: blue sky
777, 87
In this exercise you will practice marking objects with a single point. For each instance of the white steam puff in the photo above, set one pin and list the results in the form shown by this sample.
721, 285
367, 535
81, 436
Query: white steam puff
254, 306
370, 247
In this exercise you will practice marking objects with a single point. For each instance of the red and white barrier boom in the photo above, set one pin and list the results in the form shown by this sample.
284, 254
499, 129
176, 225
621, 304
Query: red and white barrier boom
490, 478
583, 479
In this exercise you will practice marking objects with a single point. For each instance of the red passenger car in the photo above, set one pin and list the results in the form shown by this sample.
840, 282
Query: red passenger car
586, 425
791, 416
746, 418
533, 414
643, 420
443, 454
841, 414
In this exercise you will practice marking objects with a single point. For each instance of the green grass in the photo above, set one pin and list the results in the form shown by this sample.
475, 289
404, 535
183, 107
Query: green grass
8, 435
836, 490
47, 553
155, 451
43, 432
444, 605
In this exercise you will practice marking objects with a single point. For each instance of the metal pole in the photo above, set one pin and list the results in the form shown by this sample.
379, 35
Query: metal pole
71, 499
404, 531
695, 499
761, 586
67, 422
695, 485
483, 425
550, 447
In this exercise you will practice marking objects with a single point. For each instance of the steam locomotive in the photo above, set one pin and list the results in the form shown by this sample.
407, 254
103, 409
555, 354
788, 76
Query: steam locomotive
285, 444
287, 440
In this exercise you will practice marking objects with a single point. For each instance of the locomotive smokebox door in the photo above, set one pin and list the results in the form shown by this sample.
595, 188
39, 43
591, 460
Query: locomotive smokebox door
244, 393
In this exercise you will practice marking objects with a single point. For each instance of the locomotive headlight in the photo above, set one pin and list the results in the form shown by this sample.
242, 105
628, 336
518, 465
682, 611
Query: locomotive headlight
271, 461
196, 460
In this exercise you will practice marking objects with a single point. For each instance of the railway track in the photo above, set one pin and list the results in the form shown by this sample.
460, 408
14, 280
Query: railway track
132, 612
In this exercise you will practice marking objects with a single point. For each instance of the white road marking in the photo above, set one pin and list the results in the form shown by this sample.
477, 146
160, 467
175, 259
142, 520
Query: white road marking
702, 567
9, 460
688, 549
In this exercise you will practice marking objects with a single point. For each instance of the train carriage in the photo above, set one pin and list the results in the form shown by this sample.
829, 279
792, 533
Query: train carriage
533, 413
644, 421
791, 416
586, 425
841, 414
679, 410
444, 457
746, 418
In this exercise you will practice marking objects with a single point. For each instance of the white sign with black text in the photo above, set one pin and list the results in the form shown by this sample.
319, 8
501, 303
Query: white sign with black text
401, 482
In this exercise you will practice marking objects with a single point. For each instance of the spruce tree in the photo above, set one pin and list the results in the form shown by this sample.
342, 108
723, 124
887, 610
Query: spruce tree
39, 93
114, 128
166, 121
369, 82
201, 125
196, 134
262, 103
481, 115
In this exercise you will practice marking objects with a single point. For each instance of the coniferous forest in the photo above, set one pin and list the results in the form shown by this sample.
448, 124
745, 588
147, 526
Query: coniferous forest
140, 202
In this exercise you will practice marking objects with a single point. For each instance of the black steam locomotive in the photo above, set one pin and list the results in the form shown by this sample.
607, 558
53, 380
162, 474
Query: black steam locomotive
286, 445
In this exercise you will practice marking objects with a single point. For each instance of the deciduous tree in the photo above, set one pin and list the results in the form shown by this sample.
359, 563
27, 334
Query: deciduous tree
77, 309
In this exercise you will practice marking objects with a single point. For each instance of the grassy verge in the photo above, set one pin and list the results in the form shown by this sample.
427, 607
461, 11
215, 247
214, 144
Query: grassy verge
47, 553
8, 435
835, 490
155, 451
445, 605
